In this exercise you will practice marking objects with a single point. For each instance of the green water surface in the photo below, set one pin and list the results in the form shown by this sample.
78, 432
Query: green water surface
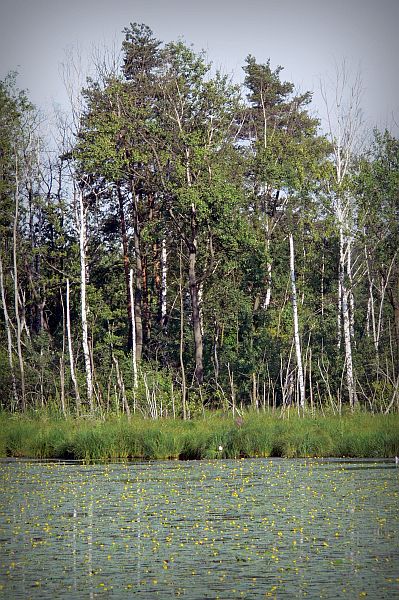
220, 529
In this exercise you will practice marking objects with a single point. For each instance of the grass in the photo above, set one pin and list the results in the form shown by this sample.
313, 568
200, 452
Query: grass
361, 435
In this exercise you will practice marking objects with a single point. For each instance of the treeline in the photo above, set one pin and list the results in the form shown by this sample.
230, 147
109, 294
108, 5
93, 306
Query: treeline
195, 244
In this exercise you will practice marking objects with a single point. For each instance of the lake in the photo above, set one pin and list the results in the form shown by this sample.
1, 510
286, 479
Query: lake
259, 528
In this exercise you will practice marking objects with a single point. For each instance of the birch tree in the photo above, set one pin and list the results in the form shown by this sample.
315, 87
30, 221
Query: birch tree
17, 124
297, 340
81, 224
70, 349
16, 287
8, 326
74, 74
283, 144
344, 121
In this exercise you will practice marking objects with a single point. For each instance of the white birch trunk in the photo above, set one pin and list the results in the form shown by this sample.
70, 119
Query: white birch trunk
371, 305
62, 359
16, 293
340, 283
368, 313
322, 285
70, 350
83, 297
181, 345
164, 271
9, 336
296, 326
350, 379
268, 296
344, 122
351, 299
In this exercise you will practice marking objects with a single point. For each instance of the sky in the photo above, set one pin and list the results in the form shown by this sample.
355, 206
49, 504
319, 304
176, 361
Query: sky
309, 38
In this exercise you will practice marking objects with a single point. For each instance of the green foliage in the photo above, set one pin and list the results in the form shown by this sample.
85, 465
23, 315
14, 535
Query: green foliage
169, 156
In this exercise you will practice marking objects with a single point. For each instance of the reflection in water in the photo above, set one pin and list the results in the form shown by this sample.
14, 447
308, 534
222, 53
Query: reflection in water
220, 529
74, 534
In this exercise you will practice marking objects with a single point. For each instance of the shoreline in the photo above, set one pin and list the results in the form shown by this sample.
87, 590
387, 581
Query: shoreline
257, 435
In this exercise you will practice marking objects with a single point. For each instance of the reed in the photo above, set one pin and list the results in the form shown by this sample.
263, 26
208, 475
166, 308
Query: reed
213, 436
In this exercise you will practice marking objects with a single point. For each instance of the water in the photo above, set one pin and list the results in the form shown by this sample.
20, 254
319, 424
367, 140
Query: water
220, 529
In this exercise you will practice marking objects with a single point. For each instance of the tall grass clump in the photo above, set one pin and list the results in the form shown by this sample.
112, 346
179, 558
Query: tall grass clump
364, 435
213, 436
254, 436
29, 437
159, 439
302, 437
203, 438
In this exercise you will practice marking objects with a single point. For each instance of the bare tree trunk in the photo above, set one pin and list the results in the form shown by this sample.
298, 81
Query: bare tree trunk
344, 121
122, 221
296, 326
395, 398
395, 305
145, 301
269, 285
322, 284
138, 294
9, 336
181, 347
392, 293
62, 359
339, 307
164, 271
215, 351
268, 295
121, 386
196, 316
70, 350
232, 390
200, 302
133, 328
83, 300
351, 299
350, 379
194, 286
371, 304
255, 396
16, 293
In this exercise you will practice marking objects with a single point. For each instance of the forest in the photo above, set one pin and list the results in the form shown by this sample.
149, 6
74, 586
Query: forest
189, 244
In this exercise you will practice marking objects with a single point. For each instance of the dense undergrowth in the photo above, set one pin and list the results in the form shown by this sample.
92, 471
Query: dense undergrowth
214, 436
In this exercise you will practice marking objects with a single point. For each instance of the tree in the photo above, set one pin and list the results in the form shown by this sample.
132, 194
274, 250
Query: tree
377, 193
197, 120
296, 326
285, 157
114, 149
146, 260
17, 145
344, 121
284, 148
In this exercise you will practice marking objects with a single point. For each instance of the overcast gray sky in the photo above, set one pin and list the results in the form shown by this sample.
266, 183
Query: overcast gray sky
306, 37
